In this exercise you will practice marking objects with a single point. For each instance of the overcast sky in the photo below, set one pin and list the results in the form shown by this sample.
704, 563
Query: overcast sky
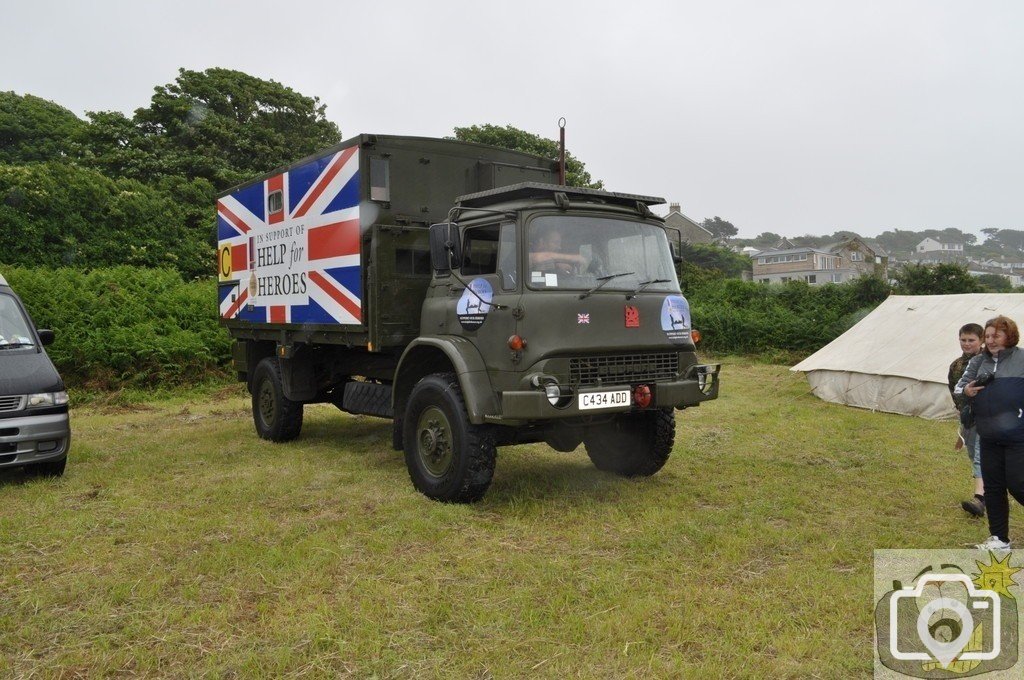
791, 117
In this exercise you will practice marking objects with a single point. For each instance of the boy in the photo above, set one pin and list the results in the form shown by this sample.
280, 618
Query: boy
970, 343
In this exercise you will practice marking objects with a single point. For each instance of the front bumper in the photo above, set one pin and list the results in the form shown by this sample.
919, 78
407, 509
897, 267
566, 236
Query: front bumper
34, 439
699, 384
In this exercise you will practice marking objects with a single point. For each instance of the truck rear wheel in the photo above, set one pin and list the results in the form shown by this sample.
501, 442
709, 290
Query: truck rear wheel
276, 417
449, 458
634, 444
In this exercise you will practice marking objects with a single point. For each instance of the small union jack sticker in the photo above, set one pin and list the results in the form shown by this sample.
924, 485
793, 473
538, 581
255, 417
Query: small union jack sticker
583, 318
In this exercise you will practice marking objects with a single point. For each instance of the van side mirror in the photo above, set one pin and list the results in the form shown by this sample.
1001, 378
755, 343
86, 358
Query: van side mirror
445, 247
46, 336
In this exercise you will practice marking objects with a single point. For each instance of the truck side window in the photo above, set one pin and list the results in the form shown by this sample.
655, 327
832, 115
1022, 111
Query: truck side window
275, 202
380, 181
507, 257
480, 250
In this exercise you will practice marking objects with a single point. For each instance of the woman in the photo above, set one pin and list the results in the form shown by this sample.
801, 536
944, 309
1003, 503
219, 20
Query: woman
999, 418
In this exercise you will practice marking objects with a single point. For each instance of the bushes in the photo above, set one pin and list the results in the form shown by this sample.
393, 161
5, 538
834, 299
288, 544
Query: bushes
126, 326
750, 318
57, 214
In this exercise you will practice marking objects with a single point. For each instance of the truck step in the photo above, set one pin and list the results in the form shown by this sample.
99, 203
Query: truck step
371, 399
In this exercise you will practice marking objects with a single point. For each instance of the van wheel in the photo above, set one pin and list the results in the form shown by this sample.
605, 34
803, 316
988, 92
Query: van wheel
634, 444
276, 417
449, 458
51, 468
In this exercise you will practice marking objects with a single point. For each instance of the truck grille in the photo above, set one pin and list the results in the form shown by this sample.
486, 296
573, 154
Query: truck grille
623, 368
8, 404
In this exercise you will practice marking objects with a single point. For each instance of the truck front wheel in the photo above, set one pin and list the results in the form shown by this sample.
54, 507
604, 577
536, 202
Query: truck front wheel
449, 458
276, 417
633, 444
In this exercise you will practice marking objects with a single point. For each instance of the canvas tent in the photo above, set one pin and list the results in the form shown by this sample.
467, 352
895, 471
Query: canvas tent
897, 358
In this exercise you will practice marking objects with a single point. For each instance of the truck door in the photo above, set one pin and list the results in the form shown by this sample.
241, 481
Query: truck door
489, 266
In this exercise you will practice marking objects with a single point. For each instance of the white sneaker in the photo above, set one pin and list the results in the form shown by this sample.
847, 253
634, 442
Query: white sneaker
993, 543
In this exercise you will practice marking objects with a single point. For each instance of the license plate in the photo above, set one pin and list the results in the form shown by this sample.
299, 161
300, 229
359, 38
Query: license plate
611, 399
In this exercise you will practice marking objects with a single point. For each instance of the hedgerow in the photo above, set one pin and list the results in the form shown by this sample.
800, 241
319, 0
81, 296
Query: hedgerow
138, 327
126, 326
752, 318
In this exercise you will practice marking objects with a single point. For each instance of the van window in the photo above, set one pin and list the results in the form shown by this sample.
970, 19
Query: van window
14, 327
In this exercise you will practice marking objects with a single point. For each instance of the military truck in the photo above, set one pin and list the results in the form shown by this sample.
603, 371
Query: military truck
459, 290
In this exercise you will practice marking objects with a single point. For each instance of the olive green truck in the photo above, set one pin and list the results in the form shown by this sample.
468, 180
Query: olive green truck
459, 290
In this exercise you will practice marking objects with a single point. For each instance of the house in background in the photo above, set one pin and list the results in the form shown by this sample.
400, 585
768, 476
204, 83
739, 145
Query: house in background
813, 265
689, 231
932, 251
863, 257
837, 263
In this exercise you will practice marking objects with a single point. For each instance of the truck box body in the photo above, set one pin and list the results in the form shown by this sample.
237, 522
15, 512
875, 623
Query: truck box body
307, 249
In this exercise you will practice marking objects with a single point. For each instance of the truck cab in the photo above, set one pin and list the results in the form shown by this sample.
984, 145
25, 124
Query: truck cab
565, 310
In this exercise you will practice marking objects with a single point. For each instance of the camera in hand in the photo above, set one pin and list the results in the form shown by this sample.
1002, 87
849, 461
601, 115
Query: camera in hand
984, 379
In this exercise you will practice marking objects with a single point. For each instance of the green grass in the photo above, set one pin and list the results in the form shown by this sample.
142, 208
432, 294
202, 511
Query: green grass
180, 544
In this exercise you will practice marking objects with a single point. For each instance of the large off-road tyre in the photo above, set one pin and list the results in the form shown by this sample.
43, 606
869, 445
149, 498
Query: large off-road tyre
449, 459
633, 444
276, 417
51, 468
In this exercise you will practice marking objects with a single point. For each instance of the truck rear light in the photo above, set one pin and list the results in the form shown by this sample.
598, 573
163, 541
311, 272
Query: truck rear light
516, 343
642, 396
695, 336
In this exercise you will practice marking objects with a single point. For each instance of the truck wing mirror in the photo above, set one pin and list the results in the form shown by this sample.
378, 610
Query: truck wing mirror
445, 247
676, 246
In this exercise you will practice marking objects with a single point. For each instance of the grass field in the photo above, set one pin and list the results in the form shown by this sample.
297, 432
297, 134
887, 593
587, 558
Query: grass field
180, 544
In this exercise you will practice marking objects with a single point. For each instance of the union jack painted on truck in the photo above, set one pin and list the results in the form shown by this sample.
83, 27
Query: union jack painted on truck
289, 245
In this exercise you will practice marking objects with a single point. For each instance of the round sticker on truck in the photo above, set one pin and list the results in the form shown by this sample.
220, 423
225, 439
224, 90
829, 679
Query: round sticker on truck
474, 304
675, 318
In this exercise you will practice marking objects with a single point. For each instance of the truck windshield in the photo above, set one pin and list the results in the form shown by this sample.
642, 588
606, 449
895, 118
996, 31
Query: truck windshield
579, 252
14, 328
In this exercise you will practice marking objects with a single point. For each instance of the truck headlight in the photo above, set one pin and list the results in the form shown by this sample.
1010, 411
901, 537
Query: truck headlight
44, 399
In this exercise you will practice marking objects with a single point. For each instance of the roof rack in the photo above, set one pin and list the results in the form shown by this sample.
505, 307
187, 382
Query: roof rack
538, 190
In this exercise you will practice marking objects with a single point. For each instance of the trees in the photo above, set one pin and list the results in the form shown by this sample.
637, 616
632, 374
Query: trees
711, 256
140, 189
221, 125
995, 283
1004, 239
34, 129
509, 137
720, 228
766, 239
59, 214
922, 279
